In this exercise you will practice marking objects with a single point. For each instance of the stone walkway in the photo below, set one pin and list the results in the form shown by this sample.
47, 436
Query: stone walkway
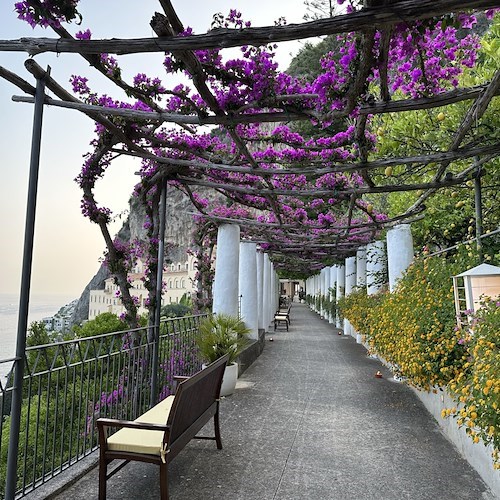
309, 420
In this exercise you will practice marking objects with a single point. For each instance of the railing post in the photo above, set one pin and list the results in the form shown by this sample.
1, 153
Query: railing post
22, 323
159, 288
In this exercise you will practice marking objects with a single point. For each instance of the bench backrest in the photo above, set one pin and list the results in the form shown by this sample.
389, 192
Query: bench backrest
194, 397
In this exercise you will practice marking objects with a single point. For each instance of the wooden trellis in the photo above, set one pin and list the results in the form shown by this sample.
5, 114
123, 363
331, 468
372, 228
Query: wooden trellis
279, 237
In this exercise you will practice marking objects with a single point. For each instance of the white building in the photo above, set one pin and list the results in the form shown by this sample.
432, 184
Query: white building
61, 321
178, 277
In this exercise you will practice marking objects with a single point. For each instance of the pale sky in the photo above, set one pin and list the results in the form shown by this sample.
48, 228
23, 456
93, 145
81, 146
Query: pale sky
67, 246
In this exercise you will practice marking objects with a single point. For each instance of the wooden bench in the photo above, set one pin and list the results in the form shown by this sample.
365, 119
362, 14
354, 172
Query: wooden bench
282, 316
158, 435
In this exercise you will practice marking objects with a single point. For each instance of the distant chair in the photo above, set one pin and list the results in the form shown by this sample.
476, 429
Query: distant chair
282, 316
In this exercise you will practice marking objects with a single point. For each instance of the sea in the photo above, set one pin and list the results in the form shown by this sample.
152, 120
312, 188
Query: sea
40, 306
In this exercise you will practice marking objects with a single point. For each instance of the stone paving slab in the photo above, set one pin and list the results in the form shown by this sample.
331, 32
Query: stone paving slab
310, 421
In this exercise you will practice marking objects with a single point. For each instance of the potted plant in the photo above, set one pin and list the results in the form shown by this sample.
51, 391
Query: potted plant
221, 334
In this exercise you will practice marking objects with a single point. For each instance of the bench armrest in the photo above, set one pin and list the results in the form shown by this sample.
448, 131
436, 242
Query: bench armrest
178, 379
111, 422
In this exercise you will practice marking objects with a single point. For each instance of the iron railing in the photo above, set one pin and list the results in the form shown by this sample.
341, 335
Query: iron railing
68, 385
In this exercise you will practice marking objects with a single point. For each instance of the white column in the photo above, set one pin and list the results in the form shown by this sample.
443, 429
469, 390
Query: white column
399, 252
313, 291
333, 283
376, 266
248, 287
272, 304
361, 267
360, 282
333, 276
266, 291
350, 275
260, 288
350, 283
340, 289
326, 293
226, 270
317, 288
275, 291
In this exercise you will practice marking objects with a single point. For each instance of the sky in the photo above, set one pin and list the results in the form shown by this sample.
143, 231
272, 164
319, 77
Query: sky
67, 247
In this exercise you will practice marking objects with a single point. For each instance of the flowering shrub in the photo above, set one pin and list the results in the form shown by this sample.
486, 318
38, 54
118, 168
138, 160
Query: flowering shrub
477, 387
47, 12
356, 304
183, 359
414, 329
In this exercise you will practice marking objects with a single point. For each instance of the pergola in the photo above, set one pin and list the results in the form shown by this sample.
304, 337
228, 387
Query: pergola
263, 174
241, 174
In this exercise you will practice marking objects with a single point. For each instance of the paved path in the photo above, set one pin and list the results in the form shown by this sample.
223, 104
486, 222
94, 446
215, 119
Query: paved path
310, 421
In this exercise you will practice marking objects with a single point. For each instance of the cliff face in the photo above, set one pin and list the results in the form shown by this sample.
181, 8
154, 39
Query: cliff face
178, 231
179, 224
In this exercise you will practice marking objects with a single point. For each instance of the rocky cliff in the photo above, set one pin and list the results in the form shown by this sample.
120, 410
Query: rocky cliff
178, 230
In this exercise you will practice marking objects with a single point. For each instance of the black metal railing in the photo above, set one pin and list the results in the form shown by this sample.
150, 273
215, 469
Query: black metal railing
68, 385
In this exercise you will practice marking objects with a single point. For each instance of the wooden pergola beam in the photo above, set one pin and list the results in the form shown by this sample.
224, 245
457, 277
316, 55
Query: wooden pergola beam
364, 19
397, 106
459, 154
298, 193
314, 242
273, 226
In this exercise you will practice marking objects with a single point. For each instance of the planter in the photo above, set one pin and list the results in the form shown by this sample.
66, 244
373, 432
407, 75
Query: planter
229, 379
359, 338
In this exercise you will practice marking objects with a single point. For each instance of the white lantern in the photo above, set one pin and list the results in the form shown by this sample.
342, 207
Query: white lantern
472, 287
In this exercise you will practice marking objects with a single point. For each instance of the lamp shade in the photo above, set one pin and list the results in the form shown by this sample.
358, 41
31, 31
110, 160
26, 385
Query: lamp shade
473, 286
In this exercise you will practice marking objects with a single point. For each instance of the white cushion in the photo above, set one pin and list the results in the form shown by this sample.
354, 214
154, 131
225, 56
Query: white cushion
141, 440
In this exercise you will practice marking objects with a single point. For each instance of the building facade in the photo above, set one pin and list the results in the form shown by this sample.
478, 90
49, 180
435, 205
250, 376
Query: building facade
179, 278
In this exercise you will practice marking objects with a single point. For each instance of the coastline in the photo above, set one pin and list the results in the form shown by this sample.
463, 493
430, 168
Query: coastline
40, 306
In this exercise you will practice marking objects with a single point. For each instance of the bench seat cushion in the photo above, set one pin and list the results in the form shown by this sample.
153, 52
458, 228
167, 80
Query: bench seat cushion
141, 440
